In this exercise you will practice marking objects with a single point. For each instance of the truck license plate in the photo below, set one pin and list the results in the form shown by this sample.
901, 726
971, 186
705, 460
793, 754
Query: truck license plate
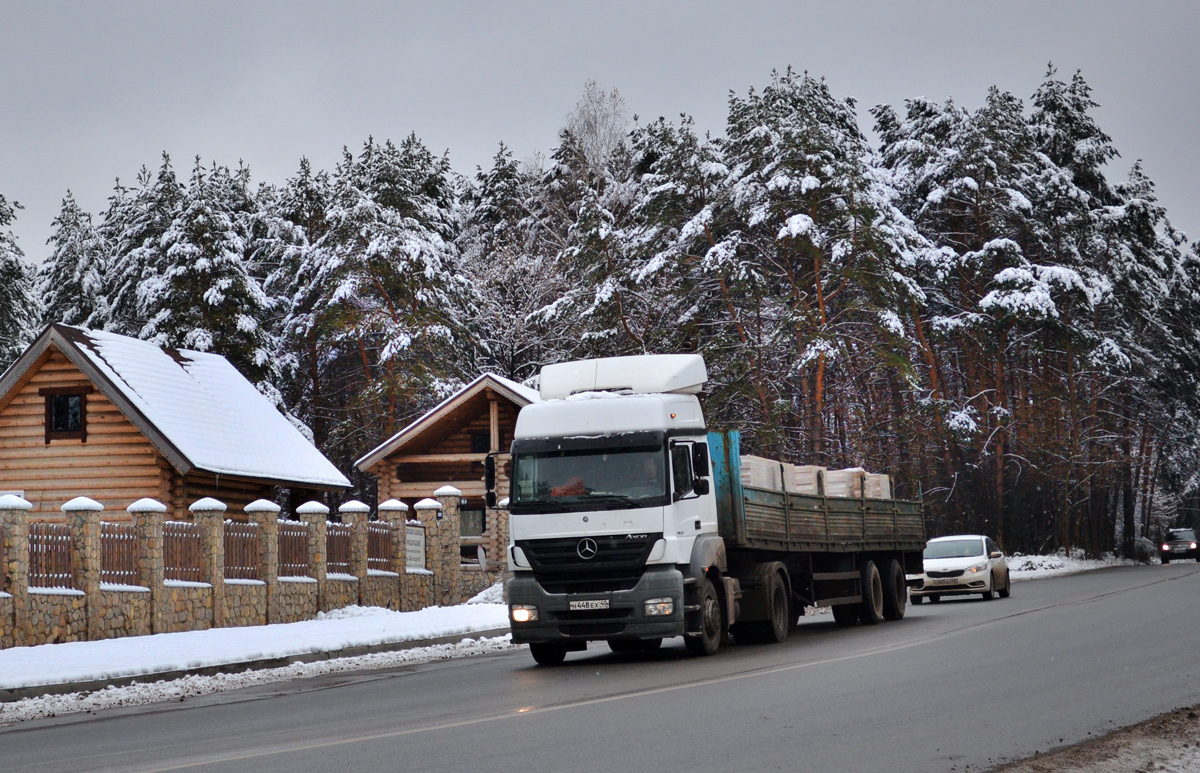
589, 604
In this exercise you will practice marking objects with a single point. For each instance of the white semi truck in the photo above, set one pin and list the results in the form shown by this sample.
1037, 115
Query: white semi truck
629, 523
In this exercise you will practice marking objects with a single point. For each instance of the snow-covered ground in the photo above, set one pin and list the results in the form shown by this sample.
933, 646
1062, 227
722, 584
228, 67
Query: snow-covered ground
1062, 562
52, 664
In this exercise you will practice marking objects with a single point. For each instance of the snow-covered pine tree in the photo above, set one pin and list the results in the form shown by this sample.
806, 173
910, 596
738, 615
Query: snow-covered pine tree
19, 307
200, 295
71, 281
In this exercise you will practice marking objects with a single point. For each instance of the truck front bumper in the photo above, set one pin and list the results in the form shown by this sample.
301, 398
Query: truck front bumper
624, 618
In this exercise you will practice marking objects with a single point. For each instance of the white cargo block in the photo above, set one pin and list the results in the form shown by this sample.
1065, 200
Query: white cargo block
806, 479
845, 483
759, 472
878, 486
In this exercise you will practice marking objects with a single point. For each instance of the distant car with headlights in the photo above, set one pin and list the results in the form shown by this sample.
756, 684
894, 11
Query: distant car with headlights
962, 565
1179, 544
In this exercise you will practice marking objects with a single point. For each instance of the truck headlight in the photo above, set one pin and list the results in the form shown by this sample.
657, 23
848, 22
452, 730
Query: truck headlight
659, 607
523, 613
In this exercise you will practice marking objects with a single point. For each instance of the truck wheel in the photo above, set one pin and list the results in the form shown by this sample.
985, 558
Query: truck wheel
548, 653
711, 622
871, 609
895, 592
774, 629
845, 615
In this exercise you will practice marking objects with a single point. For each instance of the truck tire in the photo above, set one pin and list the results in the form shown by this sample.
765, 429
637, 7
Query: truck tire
895, 592
548, 653
774, 629
845, 615
870, 611
712, 622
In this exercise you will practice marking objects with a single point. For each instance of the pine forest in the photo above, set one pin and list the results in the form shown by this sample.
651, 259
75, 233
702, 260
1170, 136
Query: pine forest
987, 304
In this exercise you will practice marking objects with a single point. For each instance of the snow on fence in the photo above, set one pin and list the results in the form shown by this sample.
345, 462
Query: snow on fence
50, 555
379, 546
242, 551
337, 547
293, 549
181, 551
118, 553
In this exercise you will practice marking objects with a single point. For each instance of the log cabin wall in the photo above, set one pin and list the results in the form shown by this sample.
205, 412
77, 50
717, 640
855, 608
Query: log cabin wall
115, 465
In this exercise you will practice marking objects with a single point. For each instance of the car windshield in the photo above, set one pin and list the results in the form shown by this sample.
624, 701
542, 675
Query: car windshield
1182, 535
954, 548
589, 479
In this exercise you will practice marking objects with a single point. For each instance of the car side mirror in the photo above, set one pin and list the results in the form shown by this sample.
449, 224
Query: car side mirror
995, 554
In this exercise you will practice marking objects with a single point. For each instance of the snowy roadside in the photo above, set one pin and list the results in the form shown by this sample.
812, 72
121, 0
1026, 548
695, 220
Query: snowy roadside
353, 627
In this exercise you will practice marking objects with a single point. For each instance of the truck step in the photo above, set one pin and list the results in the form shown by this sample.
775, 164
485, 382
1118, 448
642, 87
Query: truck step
691, 607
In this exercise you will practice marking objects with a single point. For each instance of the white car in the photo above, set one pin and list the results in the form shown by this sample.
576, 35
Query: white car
961, 565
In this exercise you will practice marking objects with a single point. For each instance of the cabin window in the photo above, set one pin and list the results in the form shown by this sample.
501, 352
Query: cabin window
481, 442
66, 412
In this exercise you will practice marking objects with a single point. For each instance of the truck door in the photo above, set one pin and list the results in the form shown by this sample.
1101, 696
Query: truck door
692, 512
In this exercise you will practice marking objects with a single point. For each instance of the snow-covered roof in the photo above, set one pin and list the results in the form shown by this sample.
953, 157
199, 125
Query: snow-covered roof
195, 407
518, 394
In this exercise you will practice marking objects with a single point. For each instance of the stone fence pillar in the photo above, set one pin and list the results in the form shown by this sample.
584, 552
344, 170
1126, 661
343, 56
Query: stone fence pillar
83, 515
209, 515
266, 514
354, 514
315, 515
14, 563
449, 543
148, 517
394, 513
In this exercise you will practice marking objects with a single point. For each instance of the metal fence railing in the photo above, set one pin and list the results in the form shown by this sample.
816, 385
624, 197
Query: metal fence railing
379, 546
50, 556
338, 540
181, 551
293, 549
242, 551
118, 553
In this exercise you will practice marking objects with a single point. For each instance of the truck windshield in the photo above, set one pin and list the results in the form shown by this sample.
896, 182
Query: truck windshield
563, 480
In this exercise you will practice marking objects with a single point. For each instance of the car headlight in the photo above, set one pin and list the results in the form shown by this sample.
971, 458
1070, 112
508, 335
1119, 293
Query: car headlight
1192, 546
1166, 547
980, 567
523, 613
659, 607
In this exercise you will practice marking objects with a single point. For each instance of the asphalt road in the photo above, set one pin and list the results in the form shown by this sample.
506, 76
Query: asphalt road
960, 685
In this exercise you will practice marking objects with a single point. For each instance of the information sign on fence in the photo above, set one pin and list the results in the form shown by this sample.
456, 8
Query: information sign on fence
414, 547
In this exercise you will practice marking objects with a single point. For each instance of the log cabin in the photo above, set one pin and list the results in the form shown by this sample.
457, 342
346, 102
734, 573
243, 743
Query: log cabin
91, 413
447, 446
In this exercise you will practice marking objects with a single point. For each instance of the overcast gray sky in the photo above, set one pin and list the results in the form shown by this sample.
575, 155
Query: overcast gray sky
92, 91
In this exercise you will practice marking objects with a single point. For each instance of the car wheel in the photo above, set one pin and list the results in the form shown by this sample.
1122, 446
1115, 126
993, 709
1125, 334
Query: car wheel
934, 599
712, 622
548, 653
1006, 591
990, 593
1166, 560
895, 592
916, 599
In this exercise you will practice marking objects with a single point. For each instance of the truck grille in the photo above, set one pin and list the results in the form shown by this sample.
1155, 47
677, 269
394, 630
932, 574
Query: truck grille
617, 564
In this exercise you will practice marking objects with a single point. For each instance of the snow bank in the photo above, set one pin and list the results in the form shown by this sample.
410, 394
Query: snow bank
1036, 567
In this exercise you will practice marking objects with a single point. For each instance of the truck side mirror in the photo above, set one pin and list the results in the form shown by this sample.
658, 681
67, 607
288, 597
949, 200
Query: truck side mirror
700, 461
700, 486
489, 480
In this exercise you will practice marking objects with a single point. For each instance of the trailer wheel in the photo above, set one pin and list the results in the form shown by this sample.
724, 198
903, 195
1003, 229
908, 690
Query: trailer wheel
895, 592
711, 622
871, 609
548, 653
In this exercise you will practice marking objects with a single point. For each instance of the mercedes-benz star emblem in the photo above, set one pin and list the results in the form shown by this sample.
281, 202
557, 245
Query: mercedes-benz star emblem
587, 548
